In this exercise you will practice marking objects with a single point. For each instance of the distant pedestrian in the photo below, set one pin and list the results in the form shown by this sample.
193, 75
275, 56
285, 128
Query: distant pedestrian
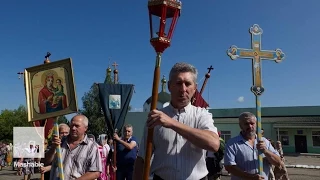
280, 172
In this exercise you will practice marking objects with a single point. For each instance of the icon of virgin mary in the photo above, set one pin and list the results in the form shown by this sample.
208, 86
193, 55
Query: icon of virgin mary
48, 100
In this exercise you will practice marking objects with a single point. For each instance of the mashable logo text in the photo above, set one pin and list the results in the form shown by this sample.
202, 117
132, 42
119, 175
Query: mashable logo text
27, 164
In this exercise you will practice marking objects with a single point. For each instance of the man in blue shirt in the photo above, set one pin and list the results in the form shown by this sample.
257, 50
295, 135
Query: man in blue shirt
126, 153
241, 152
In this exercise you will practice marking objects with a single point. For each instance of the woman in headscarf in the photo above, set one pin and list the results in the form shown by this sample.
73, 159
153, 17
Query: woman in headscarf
104, 151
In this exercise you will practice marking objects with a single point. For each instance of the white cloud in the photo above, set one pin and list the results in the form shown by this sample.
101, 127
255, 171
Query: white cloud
240, 99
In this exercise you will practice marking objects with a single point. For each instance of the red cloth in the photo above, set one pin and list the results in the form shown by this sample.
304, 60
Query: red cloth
199, 101
112, 174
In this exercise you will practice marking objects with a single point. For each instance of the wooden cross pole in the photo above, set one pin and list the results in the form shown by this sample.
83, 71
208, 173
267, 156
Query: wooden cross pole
56, 132
257, 55
207, 77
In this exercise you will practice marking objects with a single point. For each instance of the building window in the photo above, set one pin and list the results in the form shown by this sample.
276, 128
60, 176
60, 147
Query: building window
226, 135
316, 138
284, 138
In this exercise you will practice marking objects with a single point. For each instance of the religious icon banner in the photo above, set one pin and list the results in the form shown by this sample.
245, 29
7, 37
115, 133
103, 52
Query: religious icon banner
115, 100
50, 90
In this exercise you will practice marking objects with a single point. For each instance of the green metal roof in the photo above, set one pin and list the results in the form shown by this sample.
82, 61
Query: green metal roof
314, 125
293, 111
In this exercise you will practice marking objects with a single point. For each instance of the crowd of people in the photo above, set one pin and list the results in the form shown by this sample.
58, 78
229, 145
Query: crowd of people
5, 154
85, 157
186, 144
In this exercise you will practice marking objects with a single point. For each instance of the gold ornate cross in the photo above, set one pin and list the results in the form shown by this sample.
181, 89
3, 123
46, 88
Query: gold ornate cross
257, 55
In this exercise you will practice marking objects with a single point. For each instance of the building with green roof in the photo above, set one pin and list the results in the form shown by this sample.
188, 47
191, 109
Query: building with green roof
297, 127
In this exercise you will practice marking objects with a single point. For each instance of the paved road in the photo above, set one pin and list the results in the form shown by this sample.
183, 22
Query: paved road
8, 174
294, 174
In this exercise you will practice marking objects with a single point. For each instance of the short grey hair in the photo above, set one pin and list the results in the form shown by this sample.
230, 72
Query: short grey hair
61, 125
183, 68
127, 126
85, 120
246, 115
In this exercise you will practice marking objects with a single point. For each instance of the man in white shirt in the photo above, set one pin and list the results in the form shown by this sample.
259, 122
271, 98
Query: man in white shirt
182, 132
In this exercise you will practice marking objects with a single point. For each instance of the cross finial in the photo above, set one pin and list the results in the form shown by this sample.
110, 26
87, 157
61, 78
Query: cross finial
47, 58
20, 74
48, 55
210, 68
115, 65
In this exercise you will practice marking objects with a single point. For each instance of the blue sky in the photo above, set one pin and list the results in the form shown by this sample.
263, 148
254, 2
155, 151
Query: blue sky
92, 31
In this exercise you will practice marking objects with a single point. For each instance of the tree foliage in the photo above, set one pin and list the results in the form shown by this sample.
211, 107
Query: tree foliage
92, 109
63, 119
17, 118
12, 118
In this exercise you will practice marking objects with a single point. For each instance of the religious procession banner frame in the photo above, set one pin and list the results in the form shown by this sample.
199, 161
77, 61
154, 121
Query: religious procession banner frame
63, 98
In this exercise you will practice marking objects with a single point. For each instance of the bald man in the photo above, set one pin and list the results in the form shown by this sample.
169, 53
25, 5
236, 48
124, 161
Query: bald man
80, 156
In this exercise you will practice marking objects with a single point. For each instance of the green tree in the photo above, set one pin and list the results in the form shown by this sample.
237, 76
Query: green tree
63, 119
12, 118
92, 109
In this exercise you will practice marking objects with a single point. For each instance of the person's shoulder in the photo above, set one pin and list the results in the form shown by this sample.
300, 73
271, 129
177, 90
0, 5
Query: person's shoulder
133, 138
92, 143
233, 140
106, 145
165, 109
200, 110
265, 140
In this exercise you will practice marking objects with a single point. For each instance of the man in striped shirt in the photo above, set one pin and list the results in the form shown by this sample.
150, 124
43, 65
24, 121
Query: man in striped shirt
241, 152
80, 156
182, 132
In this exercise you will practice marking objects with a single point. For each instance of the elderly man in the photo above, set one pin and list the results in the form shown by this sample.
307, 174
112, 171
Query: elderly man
182, 132
241, 153
64, 130
80, 156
